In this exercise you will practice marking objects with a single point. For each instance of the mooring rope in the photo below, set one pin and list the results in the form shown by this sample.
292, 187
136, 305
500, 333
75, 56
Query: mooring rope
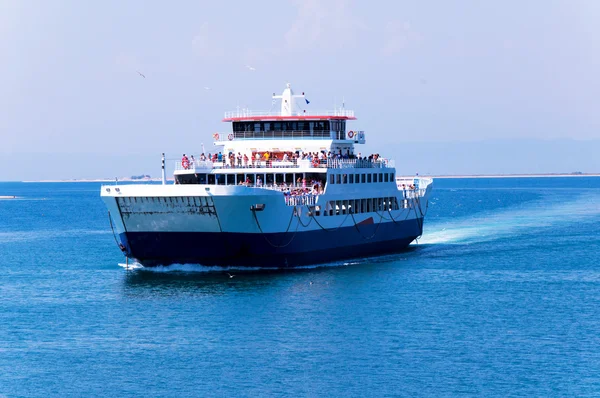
286, 231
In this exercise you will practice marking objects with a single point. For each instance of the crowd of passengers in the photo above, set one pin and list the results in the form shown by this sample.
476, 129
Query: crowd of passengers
232, 160
302, 186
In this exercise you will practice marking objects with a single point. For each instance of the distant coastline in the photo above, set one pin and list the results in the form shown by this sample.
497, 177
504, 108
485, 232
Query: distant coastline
519, 175
108, 180
448, 176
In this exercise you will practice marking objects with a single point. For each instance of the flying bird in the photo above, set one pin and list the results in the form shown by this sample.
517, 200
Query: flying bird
141, 74
230, 276
250, 68
207, 88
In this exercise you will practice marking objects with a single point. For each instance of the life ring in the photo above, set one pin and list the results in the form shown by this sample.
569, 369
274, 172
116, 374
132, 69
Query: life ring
350, 134
185, 163
216, 136
230, 137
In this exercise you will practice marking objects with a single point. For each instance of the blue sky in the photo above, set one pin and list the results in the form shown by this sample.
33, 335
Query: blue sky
419, 75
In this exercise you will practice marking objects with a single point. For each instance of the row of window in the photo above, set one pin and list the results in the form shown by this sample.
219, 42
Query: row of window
279, 178
363, 178
200, 201
358, 206
249, 178
296, 125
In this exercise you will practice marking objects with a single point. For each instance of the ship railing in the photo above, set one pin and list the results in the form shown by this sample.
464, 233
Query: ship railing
294, 194
413, 187
251, 113
270, 135
207, 165
300, 200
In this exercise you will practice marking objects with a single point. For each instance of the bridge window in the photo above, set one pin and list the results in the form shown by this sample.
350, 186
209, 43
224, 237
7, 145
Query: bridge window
338, 179
368, 178
351, 178
230, 179
331, 179
387, 177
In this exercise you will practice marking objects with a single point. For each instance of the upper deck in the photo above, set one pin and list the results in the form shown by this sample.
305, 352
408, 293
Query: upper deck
323, 165
270, 115
290, 110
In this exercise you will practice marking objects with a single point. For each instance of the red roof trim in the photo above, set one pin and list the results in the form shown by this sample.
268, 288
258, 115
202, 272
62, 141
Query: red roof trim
275, 118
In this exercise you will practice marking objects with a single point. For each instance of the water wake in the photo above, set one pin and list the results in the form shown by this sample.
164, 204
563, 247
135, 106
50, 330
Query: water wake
549, 212
199, 268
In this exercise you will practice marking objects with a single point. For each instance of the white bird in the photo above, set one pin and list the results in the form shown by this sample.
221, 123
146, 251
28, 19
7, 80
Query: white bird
230, 276
207, 88
250, 68
141, 74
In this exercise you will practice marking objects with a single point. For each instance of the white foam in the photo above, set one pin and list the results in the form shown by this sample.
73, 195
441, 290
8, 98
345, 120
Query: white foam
539, 214
194, 268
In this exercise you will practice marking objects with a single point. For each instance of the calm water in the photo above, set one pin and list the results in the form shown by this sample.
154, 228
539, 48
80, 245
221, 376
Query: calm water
500, 297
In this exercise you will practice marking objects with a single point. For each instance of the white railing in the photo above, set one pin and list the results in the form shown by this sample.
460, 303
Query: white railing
272, 135
208, 165
413, 187
250, 113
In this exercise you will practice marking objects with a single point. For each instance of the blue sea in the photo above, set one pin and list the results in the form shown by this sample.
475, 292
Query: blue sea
500, 297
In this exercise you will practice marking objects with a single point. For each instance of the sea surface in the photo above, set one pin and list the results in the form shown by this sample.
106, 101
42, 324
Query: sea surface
500, 297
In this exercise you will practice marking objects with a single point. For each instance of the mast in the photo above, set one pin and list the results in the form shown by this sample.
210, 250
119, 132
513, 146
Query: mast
288, 100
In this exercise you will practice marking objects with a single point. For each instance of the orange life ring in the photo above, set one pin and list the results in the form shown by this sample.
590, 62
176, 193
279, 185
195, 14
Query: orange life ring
185, 163
351, 134
230, 137
216, 136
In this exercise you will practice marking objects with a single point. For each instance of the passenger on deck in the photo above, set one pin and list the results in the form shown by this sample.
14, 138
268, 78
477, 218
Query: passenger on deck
245, 161
239, 160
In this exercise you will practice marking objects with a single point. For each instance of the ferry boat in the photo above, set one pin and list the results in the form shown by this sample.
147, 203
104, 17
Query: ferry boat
281, 189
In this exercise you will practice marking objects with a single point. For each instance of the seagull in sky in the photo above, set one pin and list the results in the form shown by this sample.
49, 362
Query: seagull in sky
141, 74
230, 276
250, 68
207, 88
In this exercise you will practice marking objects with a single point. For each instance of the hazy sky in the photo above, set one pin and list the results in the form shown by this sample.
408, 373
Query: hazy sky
413, 72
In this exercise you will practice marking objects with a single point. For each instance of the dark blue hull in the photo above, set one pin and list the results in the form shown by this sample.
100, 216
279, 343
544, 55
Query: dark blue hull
270, 250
